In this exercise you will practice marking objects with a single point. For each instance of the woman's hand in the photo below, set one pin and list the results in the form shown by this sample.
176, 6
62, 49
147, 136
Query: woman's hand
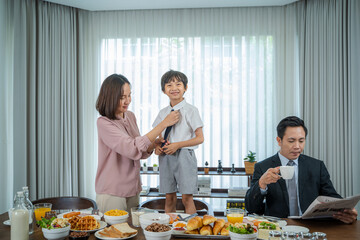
172, 118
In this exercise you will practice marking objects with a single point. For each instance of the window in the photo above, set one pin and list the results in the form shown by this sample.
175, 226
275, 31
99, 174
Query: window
230, 82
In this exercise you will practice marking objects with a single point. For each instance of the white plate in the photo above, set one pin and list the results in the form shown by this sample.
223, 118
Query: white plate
97, 234
102, 226
183, 215
281, 223
7, 222
296, 229
83, 211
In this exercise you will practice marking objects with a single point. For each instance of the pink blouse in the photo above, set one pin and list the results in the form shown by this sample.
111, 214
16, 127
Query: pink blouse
120, 149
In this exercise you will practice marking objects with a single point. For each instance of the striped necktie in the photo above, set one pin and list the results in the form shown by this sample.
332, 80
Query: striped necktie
292, 191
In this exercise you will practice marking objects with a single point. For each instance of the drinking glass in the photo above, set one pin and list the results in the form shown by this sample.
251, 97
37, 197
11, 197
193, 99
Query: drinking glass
275, 235
319, 235
135, 215
235, 215
40, 209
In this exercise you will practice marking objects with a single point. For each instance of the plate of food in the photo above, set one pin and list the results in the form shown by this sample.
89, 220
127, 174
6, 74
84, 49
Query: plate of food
206, 227
85, 224
80, 213
117, 231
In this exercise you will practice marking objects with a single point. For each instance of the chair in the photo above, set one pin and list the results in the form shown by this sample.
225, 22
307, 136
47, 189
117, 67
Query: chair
69, 203
158, 204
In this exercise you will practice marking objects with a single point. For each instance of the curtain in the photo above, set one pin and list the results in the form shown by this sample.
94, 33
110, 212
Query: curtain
41, 101
329, 71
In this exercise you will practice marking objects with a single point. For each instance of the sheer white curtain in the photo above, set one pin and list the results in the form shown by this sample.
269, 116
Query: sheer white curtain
240, 63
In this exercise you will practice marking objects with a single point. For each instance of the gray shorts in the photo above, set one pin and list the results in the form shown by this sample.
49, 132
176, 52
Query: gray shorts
178, 172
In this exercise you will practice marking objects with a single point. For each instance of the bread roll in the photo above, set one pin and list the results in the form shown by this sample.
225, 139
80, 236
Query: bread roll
207, 219
195, 231
206, 230
224, 232
218, 225
194, 223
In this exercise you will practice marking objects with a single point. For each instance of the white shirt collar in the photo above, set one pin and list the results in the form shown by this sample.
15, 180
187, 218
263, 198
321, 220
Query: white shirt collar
179, 105
284, 160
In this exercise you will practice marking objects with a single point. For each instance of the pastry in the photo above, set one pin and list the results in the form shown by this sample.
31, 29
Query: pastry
218, 225
195, 231
87, 223
206, 230
207, 219
194, 223
224, 232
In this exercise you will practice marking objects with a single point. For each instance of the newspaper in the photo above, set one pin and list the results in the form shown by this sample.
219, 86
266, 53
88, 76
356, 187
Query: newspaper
323, 206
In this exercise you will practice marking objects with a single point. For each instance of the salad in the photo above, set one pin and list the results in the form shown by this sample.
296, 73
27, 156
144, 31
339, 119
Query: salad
53, 223
242, 228
266, 225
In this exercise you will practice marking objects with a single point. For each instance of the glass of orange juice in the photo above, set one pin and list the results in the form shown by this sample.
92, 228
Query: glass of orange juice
235, 215
40, 209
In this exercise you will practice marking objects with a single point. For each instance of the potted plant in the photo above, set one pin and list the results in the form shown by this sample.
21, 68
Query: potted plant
249, 162
155, 167
144, 167
206, 168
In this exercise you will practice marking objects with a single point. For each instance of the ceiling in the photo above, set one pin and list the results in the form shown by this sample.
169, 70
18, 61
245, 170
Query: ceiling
107, 5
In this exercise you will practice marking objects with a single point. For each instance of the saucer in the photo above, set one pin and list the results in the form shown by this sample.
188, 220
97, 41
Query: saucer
7, 222
297, 229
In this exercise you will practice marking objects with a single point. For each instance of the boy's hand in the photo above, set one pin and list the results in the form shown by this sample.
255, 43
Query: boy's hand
170, 148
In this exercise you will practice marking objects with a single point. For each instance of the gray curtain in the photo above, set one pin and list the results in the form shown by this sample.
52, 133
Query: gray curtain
329, 76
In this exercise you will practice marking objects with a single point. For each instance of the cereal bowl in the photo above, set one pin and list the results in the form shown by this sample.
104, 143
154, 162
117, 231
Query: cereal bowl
166, 235
111, 220
149, 218
57, 233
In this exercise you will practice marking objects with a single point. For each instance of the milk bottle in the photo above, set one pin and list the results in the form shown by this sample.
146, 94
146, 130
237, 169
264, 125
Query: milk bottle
20, 219
30, 208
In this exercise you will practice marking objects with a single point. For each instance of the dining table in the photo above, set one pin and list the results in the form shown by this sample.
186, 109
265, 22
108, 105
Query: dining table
334, 229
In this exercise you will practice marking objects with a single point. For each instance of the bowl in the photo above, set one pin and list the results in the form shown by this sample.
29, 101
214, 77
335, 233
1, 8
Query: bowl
57, 233
79, 235
179, 227
158, 235
237, 236
115, 219
149, 218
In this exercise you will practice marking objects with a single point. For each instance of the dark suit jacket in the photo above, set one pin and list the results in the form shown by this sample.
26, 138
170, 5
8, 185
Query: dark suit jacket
313, 181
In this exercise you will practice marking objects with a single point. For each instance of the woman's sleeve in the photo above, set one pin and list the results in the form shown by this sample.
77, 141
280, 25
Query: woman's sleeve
117, 139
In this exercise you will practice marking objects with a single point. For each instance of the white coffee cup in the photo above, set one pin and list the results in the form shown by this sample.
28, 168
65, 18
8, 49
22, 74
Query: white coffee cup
287, 172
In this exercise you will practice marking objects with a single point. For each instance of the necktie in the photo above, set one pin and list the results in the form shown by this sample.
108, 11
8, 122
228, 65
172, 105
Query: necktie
292, 191
167, 131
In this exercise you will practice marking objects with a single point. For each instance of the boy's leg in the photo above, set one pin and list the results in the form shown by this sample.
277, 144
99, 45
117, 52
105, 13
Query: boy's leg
188, 201
170, 202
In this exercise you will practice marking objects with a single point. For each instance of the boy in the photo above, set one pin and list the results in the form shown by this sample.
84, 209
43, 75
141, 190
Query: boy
178, 164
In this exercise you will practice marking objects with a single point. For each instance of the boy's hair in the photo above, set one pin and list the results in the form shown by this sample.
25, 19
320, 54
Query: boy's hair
173, 75
110, 93
291, 121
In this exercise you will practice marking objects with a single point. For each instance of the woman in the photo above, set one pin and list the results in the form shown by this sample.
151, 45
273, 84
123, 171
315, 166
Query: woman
118, 183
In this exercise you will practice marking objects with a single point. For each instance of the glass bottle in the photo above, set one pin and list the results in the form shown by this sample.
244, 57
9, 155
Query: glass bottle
219, 169
19, 219
206, 168
30, 208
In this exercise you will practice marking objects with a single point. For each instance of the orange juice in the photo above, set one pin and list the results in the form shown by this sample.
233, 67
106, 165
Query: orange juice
40, 212
235, 217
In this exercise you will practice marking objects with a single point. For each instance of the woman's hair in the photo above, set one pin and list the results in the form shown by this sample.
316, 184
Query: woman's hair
291, 121
110, 94
173, 76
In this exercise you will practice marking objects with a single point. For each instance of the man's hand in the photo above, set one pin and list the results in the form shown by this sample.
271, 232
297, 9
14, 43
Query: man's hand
270, 176
171, 148
346, 216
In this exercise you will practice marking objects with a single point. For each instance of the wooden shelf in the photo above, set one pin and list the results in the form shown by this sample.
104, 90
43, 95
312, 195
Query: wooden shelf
215, 193
212, 172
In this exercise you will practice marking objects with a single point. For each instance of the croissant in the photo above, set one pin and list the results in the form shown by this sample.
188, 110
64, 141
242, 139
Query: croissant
207, 219
195, 231
194, 223
219, 224
206, 230
224, 232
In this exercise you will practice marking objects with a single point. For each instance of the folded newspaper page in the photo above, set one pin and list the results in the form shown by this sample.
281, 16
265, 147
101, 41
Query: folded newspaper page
323, 206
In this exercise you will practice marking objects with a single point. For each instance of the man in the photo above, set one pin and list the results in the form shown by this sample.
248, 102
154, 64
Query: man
291, 197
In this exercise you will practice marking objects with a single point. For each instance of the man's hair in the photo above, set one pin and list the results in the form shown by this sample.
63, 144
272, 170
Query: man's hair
291, 121
110, 94
173, 75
